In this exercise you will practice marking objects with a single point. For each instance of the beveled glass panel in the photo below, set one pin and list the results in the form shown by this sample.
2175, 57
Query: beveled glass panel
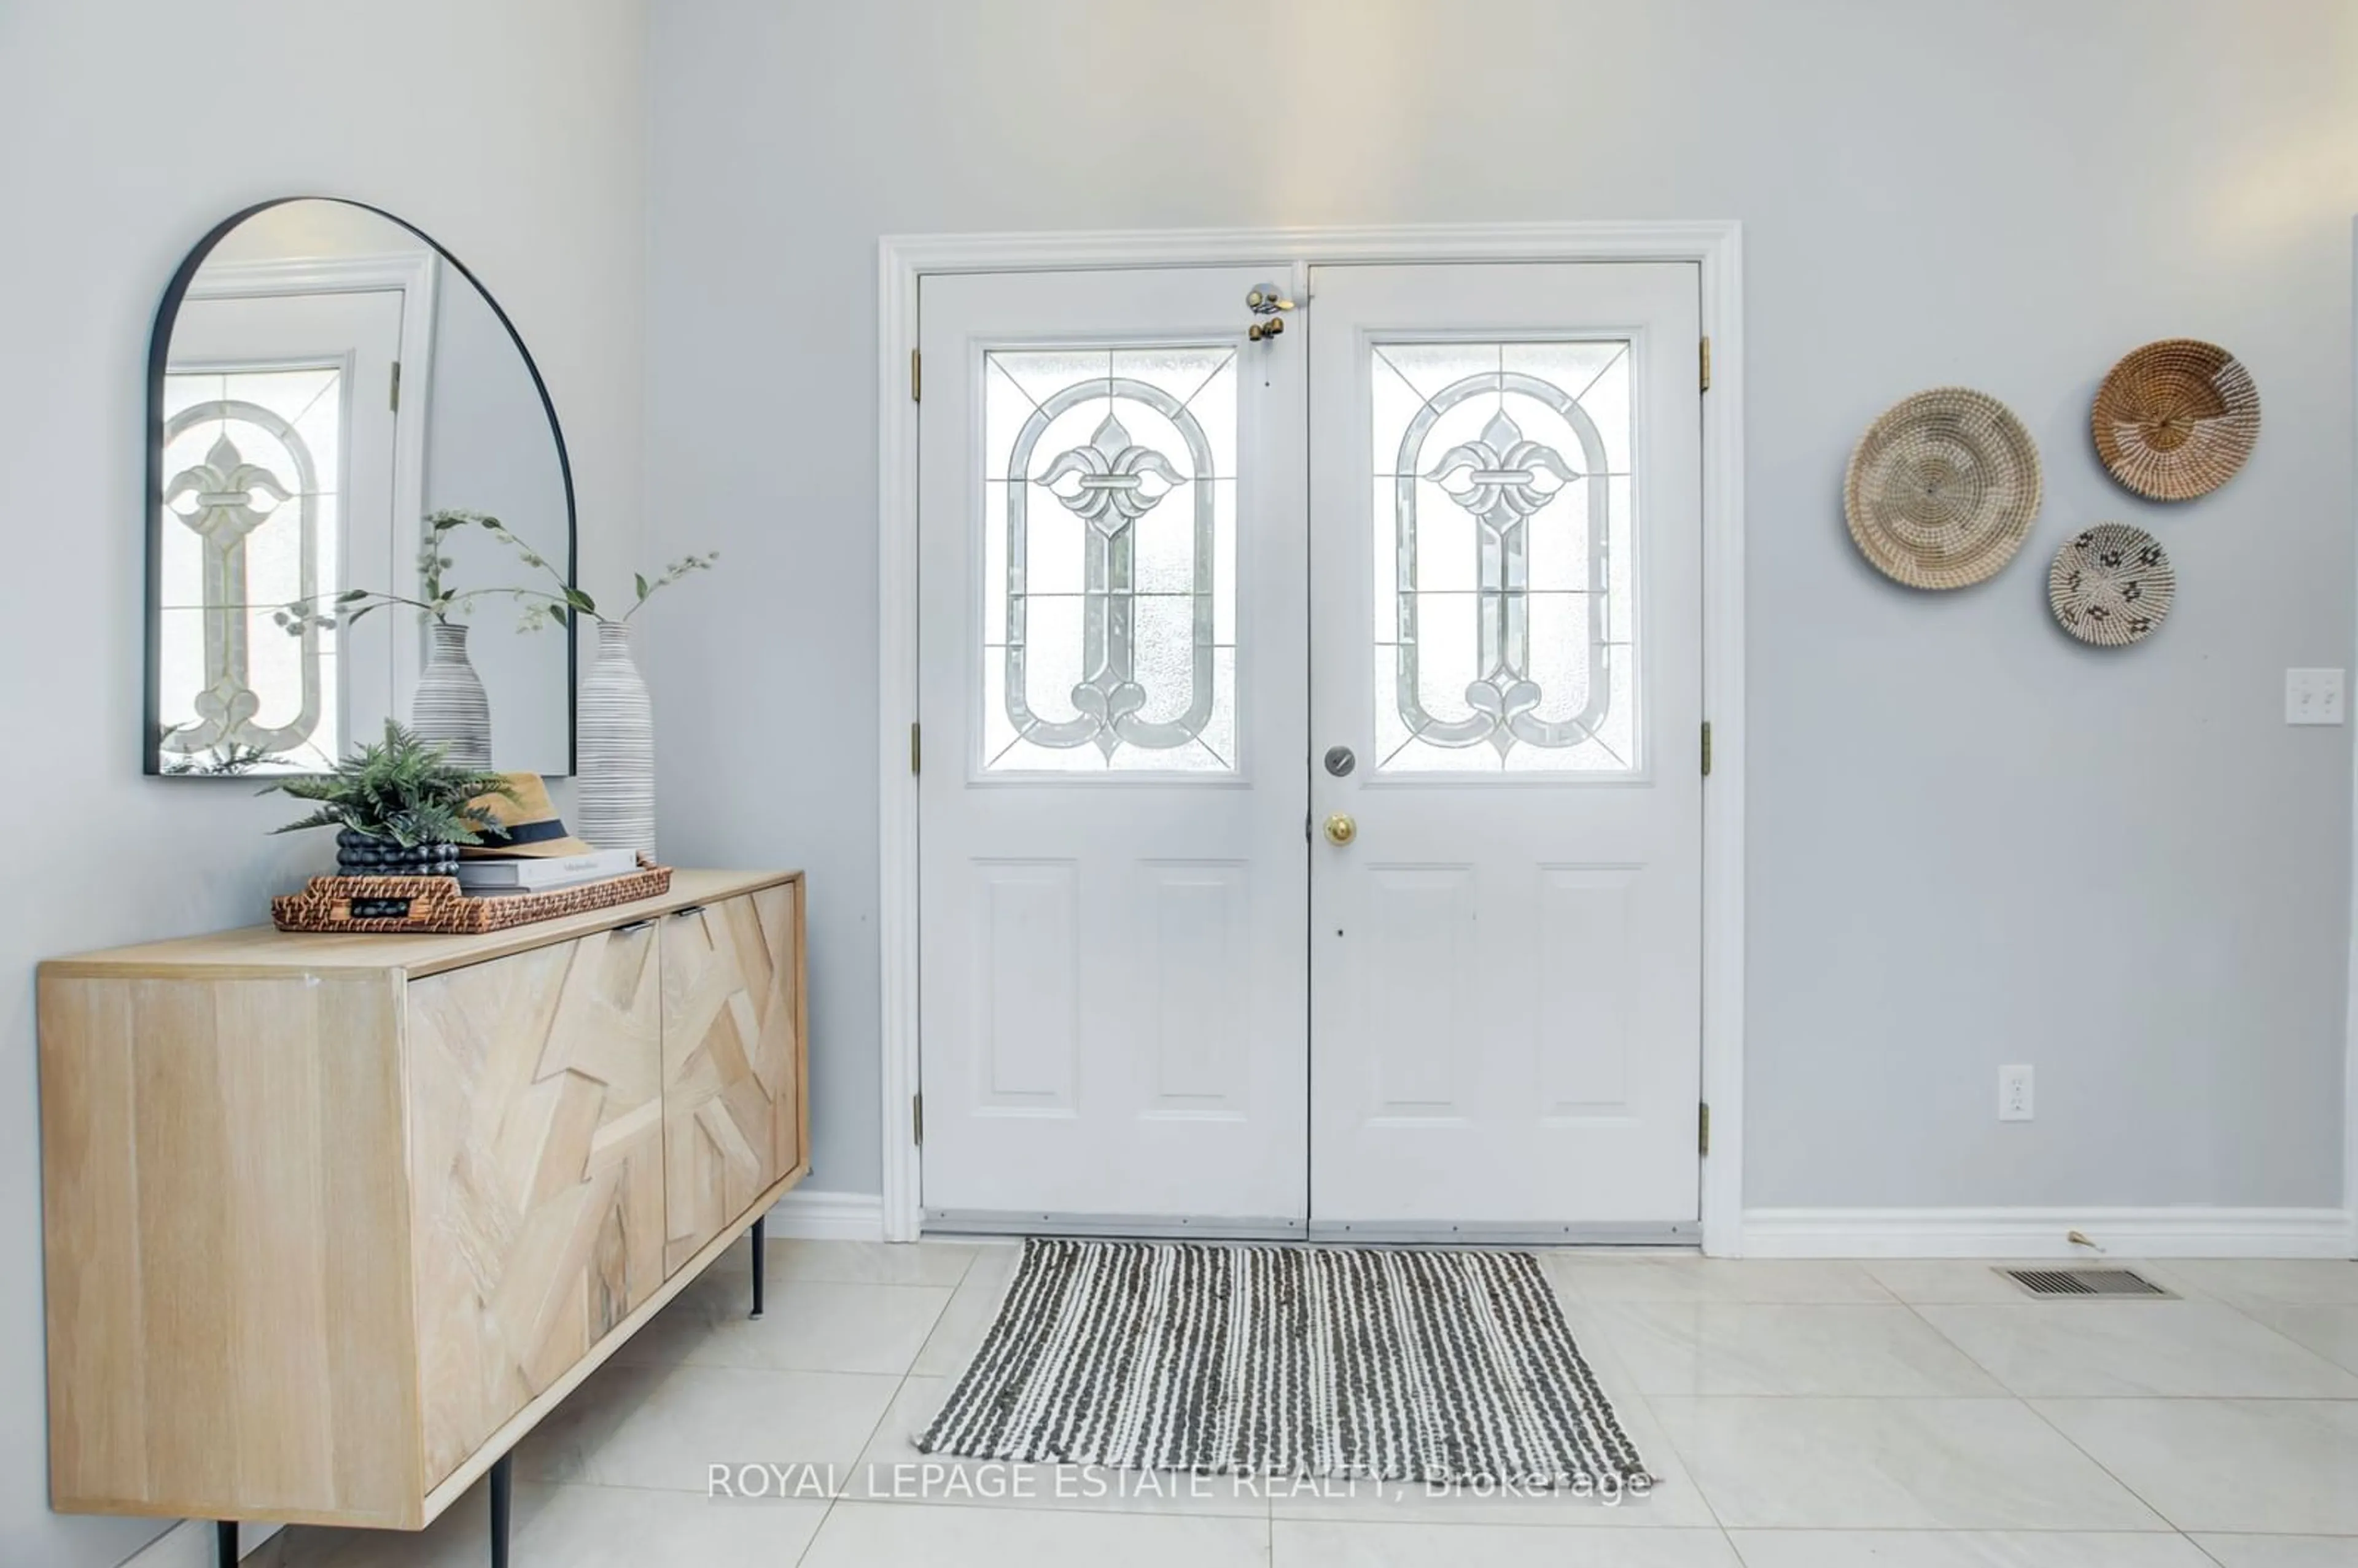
1109, 560
1502, 535
248, 523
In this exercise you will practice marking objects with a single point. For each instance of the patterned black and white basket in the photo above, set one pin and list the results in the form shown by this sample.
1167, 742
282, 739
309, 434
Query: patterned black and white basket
2110, 585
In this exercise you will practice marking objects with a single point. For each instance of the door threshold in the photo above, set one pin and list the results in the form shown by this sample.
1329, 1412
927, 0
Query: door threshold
1162, 1227
1682, 1235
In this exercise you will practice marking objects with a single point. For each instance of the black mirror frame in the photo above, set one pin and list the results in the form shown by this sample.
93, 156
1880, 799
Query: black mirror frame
159, 344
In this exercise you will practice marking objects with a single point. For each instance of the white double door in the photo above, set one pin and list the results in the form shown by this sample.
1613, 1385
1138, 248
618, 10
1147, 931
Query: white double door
1310, 810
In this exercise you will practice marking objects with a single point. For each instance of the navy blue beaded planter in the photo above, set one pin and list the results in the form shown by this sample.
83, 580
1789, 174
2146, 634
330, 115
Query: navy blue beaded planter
361, 855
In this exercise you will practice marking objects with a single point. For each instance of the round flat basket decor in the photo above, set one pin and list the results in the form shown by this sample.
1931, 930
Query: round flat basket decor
2175, 419
1941, 488
2110, 585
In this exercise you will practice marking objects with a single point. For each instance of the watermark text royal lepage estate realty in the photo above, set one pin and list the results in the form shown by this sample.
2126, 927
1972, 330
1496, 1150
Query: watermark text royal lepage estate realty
992, 1480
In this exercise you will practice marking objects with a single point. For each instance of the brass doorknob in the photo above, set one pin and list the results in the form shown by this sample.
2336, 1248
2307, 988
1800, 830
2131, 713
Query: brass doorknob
1341, 829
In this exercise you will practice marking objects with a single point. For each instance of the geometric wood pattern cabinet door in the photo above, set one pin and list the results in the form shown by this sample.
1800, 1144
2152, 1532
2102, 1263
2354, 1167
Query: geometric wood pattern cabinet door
732, 1029
331, 1222
536, 1142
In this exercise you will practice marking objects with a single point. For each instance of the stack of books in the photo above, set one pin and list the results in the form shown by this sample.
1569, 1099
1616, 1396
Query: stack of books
506, 878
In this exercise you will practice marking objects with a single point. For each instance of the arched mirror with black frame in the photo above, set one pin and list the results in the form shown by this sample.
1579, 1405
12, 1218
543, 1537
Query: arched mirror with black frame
360, 506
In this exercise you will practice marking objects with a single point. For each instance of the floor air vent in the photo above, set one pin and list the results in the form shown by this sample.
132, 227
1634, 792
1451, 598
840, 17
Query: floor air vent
2112, 1282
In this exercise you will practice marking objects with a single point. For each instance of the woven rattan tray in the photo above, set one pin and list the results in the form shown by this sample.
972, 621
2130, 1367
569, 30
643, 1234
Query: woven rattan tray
437, 908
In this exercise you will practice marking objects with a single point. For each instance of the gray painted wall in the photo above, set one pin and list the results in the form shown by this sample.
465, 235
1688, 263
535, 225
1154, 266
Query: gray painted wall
487, 450
1972, 841
513, 133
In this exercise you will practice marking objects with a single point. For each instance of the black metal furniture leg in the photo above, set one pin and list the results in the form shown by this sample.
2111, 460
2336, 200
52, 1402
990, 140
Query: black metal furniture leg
225, 1543
503, 1484
761, 1258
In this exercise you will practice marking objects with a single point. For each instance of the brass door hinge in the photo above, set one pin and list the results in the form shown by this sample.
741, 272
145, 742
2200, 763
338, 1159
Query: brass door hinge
392, 393
916, 749
1703, 1129
1707, 364
1706, 748
916, 376
917, 1119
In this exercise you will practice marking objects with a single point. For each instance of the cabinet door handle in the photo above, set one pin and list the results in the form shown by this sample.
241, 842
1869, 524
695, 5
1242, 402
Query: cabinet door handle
684, 914
633, 926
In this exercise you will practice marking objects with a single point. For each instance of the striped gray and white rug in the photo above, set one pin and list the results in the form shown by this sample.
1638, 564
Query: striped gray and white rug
1313, 1361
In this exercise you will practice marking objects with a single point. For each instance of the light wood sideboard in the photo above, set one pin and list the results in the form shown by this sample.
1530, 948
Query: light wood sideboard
333, 1221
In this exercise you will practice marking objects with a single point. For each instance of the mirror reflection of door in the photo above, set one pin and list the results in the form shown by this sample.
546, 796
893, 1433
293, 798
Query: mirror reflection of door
281, 482
329, 381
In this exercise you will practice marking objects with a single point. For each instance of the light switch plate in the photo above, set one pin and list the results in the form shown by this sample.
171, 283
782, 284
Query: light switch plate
2312, 697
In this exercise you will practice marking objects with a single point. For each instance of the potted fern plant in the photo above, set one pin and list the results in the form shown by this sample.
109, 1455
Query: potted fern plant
401, 807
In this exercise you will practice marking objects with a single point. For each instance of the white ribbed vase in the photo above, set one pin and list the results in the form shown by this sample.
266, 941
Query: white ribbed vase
449, 707
615, 796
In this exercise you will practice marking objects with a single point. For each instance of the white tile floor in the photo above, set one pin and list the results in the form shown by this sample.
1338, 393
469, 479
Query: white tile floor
1799, 1415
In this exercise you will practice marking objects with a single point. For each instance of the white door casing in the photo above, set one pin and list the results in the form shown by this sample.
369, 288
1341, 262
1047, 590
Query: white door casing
1113, 702
1715, 250
1506, 635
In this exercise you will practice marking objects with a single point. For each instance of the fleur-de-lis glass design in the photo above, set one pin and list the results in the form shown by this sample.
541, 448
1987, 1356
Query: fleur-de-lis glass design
223, 499
1110, 484
220, 494
1547, 685
1502, 480
1147, 689
1114, 482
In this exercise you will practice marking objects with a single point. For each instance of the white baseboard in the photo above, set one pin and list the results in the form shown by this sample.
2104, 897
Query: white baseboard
1862, 1232
2046, 1232
828, 1216
190, 1544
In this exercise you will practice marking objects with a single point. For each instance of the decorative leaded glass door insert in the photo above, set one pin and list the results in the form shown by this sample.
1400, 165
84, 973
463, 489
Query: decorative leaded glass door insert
1503, 538
252, 461
277, 486
1109, 560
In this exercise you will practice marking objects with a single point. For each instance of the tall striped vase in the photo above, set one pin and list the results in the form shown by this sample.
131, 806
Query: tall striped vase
449, 707
615, 798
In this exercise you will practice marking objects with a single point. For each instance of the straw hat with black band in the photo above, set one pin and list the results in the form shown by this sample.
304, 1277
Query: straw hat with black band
525, 826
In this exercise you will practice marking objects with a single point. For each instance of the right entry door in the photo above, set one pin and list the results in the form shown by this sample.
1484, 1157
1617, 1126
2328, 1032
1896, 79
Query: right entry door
1506, 713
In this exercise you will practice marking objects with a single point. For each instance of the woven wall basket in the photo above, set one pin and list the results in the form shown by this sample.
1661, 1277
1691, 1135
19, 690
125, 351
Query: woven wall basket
2110, 585
2175, 420
1941, 488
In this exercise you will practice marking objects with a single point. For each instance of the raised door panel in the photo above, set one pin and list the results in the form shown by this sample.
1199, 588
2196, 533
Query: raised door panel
535, 1134
732, 1060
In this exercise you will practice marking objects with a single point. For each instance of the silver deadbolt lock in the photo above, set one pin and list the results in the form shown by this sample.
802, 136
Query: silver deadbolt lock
1339, 761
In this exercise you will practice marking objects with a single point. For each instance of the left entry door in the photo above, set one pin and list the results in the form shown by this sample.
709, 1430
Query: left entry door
1113, 677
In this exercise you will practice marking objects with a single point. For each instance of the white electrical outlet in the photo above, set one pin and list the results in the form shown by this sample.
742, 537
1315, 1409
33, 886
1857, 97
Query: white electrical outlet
2312, 697
2014, 1093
